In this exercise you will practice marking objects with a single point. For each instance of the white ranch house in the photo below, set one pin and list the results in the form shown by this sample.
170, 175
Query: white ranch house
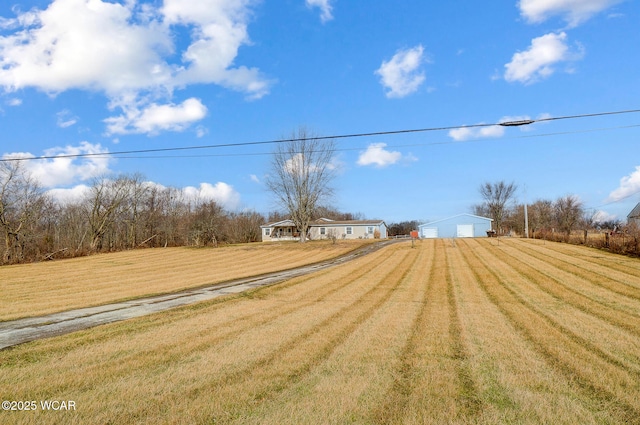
325, 228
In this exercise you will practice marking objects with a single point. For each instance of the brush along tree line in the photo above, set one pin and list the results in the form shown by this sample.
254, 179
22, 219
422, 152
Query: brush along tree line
563, 220
115, 213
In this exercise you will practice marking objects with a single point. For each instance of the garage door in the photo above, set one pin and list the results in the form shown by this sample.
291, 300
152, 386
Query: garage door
465, 230
429, 232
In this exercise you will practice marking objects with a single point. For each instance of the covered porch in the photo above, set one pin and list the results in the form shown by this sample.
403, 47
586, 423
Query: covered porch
281, 231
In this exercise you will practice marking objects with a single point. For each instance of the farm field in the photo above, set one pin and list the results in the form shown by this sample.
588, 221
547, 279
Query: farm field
471, 331
49, 287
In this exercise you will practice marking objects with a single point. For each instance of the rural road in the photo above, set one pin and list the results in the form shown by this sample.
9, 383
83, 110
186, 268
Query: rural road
19, 331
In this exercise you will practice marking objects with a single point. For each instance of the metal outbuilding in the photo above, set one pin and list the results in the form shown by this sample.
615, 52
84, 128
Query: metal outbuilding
457, 226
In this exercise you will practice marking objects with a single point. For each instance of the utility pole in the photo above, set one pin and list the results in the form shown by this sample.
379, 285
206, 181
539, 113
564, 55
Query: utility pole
526, 215
526, 220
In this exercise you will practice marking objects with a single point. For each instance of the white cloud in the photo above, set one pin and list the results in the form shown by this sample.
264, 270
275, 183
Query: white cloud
377, 155
66, 119
254, 178
14, 102
491, 131
63, 170
573, 12
70, 45
629, 185
538, 61
155, 118
201, 131
325, 8
602, 216
470, 133
297, 164
222, 193
401, 75
72, 195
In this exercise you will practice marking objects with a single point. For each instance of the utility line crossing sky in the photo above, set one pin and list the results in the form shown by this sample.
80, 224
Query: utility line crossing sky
90, 77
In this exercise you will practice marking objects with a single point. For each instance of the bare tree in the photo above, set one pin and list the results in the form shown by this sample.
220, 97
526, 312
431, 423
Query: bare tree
496, 196
137, 192
21, 205
244, 227
106, 197
568, 210
541, 215
205, 227
300, 176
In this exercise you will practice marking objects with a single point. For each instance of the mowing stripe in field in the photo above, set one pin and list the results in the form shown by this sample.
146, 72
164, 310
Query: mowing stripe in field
592, 333
273, 374
623, 283
604, 382
348, 383
577, 292
470, 332
31, 290
397, 406
514, 381
588, 256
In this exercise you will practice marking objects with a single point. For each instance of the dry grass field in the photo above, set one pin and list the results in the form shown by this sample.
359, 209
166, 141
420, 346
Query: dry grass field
520, 332
49, 287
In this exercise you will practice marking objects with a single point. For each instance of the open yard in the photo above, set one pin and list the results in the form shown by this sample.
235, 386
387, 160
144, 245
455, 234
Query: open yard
49, 287
476, 331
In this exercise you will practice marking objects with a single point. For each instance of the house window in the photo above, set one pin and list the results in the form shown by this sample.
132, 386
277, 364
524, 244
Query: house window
267, 232
349, 230
370, 230
323, 230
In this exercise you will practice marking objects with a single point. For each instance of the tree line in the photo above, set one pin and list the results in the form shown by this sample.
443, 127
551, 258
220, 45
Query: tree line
115, 213
118, 213
564, 219
563, 215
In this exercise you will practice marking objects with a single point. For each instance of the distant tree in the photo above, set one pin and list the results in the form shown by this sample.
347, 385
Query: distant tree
610, 224
541, 215
21, 206
206, 225
514, 219
481, 210
300, 176
244, 227
496, 196
333, 214
106, 198
275, 216
403, 227
568, 212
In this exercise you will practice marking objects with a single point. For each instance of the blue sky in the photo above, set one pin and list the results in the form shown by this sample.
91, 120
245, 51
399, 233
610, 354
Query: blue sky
91, 76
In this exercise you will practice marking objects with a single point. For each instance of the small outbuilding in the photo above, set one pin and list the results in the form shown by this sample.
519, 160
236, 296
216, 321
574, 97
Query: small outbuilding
458, 226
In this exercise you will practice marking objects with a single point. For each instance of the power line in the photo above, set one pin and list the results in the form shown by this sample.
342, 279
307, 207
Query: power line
340, 136
394, 146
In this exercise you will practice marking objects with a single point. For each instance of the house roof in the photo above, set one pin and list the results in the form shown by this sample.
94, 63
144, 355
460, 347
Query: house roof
280, 223
454, 216
635, 212
329, 222
325, 222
